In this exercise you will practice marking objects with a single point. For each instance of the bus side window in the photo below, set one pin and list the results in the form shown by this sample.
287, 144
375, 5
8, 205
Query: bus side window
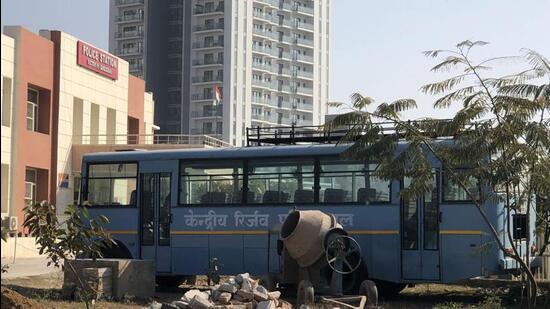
111, 184
282, 181
351, 182
211, 183
453, 192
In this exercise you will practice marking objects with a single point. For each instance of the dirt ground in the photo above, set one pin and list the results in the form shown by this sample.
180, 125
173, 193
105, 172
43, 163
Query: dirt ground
46, 291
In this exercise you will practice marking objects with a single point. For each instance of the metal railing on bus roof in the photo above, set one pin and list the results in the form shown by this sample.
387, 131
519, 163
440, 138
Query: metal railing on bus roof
149, 139
296, 134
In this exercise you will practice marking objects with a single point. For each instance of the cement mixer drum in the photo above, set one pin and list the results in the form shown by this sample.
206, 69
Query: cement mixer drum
303, 234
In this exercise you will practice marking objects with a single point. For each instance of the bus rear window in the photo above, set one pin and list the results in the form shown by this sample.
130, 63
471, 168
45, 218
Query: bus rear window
453, 192
520, 226
112, 184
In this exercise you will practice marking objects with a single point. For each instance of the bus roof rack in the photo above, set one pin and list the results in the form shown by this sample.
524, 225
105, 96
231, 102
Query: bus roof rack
295, 135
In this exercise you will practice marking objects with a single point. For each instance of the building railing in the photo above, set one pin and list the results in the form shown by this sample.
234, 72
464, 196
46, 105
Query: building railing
207, 61
302, 58
206, 113
149, 139
303, 9
130, 51
207, 44
207, 10
133, 17
205, 79
201, 97
129, 34
215, 26
135, 67
128, 2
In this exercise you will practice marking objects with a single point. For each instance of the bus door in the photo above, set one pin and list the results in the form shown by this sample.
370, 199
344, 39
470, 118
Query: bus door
420, 258
155, 219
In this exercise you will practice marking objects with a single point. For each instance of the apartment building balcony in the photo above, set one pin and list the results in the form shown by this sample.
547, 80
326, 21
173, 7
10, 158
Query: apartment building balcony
285, 39
124, 3
303, 42
138, 17
207, 62
124, 35
129, 51
302, 74
264, 50
208, 10
284, 72
265, 17
206, 114
284, 6
209, 27
284, 88
263, 84
261, 101
302, 58
272, 3
135, 67
206, 80
304, 26
302, 90
202, 97
262, 67
303, 9
205, 45
264, 118
263, 33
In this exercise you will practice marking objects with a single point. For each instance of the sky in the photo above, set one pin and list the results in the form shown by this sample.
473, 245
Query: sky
375, 46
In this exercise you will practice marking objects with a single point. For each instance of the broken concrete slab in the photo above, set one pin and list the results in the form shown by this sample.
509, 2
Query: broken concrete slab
266, 305
199, 302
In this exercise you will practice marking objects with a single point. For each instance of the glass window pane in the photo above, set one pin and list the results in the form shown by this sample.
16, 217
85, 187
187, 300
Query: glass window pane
344, 181
32, 95
452, 191
215, 183
410, 225
113, 170
431, 217
285, 181
99, 191
164, 210
147, 208
123, 189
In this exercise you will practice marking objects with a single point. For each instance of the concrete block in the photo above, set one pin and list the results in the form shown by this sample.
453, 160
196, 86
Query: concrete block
129, 277
200, 303
274, 295
266, 305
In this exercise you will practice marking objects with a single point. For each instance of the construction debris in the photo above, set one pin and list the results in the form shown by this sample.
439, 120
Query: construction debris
239, 292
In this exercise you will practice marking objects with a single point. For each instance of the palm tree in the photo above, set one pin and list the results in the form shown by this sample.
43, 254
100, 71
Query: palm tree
500, 133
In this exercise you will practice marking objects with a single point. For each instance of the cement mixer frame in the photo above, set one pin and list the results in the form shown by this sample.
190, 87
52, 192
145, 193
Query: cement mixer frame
182, 208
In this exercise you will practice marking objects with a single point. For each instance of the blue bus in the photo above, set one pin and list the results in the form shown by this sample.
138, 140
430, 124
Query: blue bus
182, 208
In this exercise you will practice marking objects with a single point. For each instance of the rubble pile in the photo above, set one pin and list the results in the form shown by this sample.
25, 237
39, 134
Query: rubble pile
239, 292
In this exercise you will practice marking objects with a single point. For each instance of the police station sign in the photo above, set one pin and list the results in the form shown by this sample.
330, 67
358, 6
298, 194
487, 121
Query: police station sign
96, 60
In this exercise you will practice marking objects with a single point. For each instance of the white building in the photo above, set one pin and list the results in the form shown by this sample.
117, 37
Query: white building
268, 59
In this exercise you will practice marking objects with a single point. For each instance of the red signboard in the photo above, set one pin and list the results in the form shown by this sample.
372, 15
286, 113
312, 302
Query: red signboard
97, 60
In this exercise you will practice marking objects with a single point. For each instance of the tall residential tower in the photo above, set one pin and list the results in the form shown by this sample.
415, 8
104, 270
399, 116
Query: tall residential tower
217, 67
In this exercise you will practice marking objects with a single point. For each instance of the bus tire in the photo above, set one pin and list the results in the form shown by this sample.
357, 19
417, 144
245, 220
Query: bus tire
388, 289
116, 251
169, 281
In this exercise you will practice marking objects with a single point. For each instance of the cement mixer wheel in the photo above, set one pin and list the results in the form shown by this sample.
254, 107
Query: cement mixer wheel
368, 288
306, 294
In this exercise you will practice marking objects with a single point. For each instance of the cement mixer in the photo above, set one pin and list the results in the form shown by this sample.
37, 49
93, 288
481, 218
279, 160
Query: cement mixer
316, 254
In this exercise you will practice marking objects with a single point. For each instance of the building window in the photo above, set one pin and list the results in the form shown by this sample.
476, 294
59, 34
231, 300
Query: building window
112, 184
30, 186
6, 101
32, 109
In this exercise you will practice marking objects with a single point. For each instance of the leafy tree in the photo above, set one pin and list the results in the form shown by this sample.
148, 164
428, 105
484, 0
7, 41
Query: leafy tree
499, 133
62, 241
